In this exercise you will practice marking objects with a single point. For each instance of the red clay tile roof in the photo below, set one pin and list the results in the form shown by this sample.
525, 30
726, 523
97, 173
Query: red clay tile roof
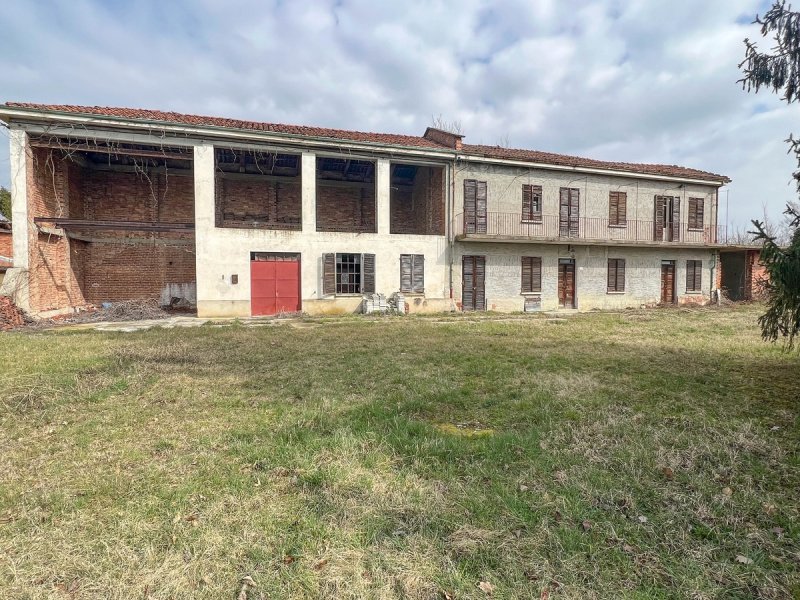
378, 138
200, 121
549, 158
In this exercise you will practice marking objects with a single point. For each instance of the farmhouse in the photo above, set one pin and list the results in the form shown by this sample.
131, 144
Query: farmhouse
240, 218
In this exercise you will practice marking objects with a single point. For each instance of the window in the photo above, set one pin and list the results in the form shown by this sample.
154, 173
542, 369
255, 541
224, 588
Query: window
617, 209
616, 275
531, 274
412, 273
348, 274
694, 275
532, 203
696, 207
475, 203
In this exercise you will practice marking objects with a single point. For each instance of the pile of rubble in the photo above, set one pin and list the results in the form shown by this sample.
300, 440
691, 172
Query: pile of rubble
126, 310
10, 315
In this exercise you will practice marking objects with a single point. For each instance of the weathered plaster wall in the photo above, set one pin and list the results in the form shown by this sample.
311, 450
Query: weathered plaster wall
504, 191
223, 252
642, 276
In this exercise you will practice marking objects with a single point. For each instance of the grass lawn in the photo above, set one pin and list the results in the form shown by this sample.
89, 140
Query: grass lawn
645, 454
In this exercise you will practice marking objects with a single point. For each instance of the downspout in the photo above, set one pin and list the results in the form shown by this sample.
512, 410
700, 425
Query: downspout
451, 191
715, 292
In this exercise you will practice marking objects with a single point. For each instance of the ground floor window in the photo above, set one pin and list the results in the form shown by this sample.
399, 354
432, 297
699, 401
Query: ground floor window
348, 273
694, 275
616, 275
412, 273
531, 274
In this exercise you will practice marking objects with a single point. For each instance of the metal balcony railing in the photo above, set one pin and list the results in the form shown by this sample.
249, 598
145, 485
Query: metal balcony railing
551, 228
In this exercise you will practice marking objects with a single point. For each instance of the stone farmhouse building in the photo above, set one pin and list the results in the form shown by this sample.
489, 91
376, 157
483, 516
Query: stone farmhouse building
242, 218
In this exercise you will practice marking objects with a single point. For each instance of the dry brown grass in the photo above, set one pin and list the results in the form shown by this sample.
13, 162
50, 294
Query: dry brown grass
614, 455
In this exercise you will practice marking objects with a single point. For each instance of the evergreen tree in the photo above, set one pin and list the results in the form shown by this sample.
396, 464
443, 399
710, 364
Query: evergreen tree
778, 70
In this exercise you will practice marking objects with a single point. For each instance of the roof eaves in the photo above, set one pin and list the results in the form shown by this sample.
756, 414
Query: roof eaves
249, 132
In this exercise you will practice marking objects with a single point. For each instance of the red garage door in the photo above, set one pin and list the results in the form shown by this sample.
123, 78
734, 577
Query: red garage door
274, 283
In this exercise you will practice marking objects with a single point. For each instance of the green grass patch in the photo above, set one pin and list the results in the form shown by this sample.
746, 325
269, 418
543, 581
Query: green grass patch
642, 454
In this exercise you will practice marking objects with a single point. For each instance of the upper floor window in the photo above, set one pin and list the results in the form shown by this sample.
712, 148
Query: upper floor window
532, 203
696, 208
475, 198
617, 209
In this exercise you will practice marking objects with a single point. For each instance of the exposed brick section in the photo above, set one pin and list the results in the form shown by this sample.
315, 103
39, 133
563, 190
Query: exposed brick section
388, 139
114, 272
114, 265
265, 204
53, 283
419, 209
6, 245
758, 275
10, 315
346, 207
110, 196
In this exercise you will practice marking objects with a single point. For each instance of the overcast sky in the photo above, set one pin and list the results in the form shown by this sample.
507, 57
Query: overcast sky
623, 80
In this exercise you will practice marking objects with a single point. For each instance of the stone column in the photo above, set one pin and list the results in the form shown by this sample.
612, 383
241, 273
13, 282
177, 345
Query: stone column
308, 178
204, 223
18, 147
382, 195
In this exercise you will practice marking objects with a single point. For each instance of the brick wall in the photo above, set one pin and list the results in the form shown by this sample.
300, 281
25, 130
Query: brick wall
113, 196
114, 272
264, 204
419, 209
53, 283
6, 245
757, 275
345, 207
106, 265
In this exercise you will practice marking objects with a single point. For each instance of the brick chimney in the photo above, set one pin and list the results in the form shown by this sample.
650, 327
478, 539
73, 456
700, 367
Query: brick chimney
445, 138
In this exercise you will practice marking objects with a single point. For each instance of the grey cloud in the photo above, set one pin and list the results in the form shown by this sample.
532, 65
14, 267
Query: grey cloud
634, 80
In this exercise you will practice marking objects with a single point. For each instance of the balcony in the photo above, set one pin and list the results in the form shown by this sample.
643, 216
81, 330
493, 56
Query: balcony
509, 227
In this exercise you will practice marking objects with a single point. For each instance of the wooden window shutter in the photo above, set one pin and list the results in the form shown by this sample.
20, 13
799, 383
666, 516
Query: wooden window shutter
480, 283
574, 211
527, 202
563, 212
531, 274
532, 203
470, 202
480, 207
617, 208
694, 275
406, 266
676, 219
328, 274
658, 218
418, 273
368, 274
616, 275
696, 210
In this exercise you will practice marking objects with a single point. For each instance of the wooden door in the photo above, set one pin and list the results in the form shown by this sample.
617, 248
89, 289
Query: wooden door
569, 212
667, 219
473, 281
667, 282
566, 283
475, 206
